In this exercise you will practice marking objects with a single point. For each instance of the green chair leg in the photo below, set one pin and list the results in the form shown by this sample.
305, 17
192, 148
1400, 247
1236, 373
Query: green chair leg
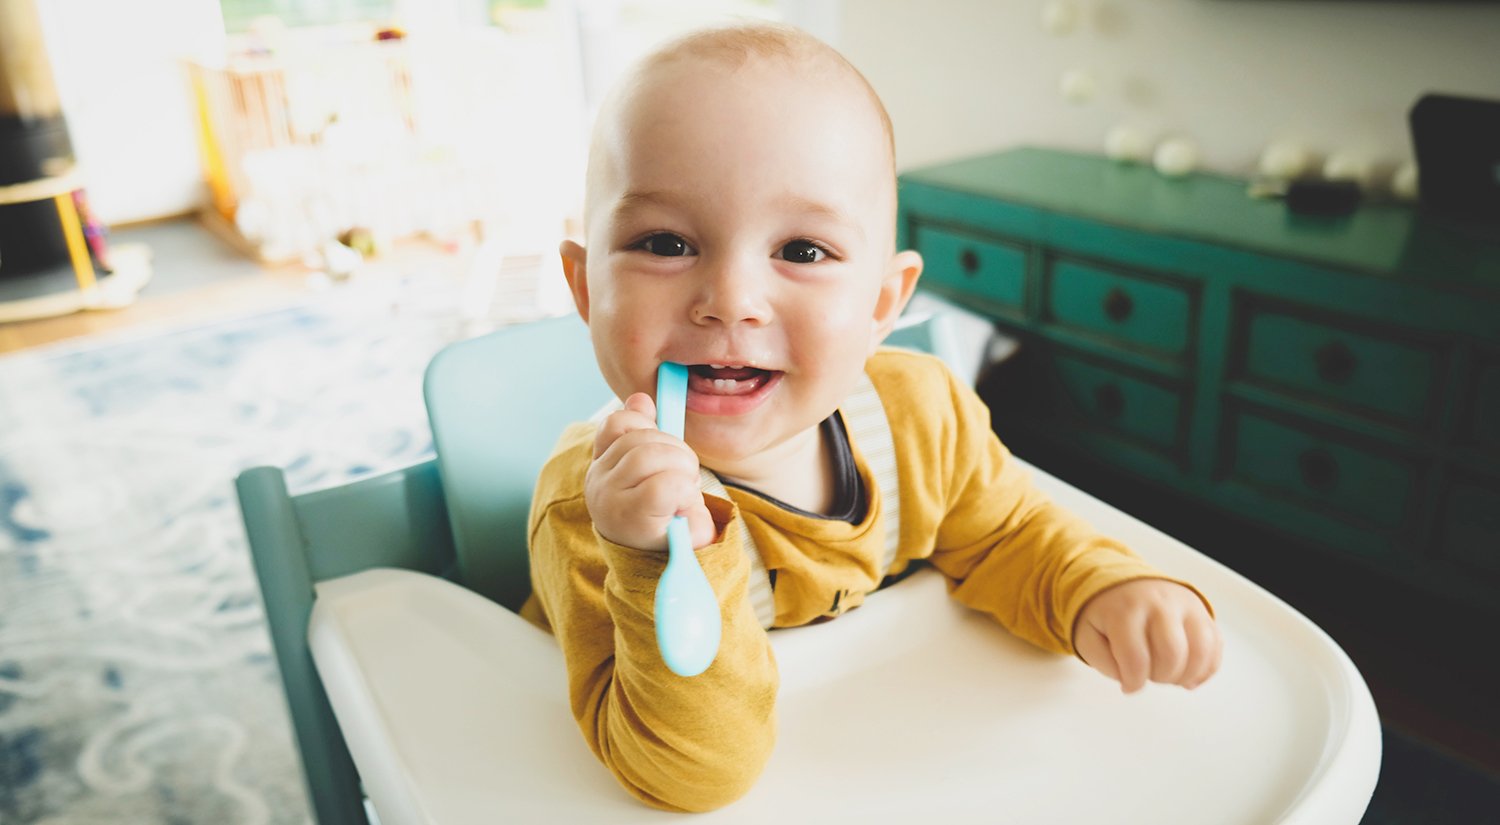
287, 588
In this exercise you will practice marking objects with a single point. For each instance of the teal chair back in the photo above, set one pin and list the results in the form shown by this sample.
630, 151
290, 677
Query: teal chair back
497, 404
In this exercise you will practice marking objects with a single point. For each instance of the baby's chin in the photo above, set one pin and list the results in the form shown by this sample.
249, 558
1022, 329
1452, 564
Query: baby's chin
727, 453
721, 458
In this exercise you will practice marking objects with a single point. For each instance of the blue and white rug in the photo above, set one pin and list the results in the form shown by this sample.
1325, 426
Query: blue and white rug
137, 683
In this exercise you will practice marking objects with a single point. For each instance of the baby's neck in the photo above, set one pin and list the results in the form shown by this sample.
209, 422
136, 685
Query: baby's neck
798, 472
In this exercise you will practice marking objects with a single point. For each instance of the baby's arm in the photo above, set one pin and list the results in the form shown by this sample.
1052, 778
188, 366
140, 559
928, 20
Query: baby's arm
679, 743
1054, 581
1051, 578
1149, 629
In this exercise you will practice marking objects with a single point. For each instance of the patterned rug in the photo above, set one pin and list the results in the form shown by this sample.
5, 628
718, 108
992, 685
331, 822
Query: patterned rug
137, 683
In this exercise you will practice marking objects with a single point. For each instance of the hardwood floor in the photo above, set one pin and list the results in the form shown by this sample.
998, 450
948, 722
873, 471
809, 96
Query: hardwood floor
199, 305
197, 278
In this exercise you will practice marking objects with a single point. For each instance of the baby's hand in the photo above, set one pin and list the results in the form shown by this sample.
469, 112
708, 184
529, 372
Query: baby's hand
640, 478
1149, 629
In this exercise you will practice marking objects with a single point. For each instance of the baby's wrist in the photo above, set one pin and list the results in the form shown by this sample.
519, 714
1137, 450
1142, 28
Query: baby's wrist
645, 542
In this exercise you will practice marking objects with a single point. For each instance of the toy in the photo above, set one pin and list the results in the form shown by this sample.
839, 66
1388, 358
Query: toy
1079, 86
1127, 144
1060, 17
1176, 157
1350, 166
1285, 160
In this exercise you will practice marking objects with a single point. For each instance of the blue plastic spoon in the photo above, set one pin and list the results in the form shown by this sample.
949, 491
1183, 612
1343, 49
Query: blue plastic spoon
687, 612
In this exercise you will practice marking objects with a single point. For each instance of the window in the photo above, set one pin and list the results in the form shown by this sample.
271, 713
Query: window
240, 15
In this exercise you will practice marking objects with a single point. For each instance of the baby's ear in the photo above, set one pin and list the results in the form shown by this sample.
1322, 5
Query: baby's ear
573, 260
896, 286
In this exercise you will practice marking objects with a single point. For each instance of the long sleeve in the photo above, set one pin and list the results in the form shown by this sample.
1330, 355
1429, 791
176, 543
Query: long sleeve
1005, 547
690, 744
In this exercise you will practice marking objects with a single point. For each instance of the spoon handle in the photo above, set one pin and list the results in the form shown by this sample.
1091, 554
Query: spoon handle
671, 398
688, 626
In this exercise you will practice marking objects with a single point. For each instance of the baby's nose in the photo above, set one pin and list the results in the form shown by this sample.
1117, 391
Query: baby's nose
731, 294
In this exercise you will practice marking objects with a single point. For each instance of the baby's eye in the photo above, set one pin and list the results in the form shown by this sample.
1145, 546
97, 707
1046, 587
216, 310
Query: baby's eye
666, 245
803, 252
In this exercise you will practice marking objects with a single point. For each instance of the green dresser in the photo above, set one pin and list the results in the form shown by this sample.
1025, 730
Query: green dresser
1334, 380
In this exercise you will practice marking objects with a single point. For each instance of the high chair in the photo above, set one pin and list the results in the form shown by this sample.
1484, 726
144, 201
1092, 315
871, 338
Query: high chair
390, 605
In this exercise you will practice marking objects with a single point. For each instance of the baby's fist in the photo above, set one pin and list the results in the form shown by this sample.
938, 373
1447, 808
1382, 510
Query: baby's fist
640, 478
1149, 629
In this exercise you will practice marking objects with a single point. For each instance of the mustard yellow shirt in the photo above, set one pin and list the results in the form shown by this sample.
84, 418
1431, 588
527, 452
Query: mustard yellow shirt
967, 508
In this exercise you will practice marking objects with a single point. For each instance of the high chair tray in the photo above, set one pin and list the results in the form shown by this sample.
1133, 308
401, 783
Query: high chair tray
911, 708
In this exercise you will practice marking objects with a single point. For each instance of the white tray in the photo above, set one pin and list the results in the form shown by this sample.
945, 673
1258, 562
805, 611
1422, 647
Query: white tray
911, 708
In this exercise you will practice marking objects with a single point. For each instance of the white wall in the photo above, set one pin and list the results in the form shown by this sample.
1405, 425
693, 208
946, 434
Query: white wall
959, 76
124, 93
968, 76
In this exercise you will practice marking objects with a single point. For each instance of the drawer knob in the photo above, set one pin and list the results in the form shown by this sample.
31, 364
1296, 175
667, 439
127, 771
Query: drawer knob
1335, 362
969, 260
1110, 400
1117, 305
1319, 469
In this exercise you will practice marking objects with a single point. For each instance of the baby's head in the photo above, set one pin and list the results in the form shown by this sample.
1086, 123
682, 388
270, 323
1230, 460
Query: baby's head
740, 218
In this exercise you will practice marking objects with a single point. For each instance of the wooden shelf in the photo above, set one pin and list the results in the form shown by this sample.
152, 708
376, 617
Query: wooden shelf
132, 271
41, 189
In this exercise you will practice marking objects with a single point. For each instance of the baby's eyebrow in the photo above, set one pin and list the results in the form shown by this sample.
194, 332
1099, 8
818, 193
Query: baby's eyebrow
807, 206
793, 203
632, 201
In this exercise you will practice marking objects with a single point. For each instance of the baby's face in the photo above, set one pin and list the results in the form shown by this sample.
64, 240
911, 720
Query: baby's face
741, 223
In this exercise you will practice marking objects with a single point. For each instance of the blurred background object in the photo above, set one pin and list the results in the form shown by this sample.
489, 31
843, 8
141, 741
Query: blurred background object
52, 246
34, 144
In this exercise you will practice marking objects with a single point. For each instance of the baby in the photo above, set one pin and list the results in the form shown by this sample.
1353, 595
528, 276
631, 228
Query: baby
740, 219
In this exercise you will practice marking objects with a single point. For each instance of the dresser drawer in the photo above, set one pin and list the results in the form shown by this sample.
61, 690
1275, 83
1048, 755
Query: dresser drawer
969, 265
1147, 412
1124, 308
1484, 425
1321, 472
1368, 373
1470, 524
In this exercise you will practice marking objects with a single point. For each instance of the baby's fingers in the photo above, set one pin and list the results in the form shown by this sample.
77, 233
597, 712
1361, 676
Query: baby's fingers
639, 413
701, 525
1169, 650
1093, 648
1132, 654
634, 462
1207, 651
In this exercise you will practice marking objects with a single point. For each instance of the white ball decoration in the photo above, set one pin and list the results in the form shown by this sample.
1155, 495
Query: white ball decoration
1285, 160
1060, 17
1405, 184
1127, 144
1079, 85
251, 218
1176, 157
1350, 166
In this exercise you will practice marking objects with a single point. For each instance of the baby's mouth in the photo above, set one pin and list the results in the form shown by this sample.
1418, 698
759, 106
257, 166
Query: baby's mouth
720, 379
